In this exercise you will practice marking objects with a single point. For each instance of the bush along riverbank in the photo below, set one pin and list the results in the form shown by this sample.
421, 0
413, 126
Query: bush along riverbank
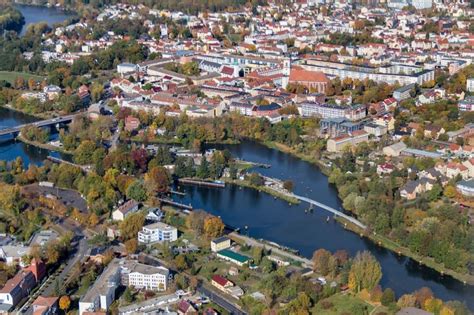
379, 237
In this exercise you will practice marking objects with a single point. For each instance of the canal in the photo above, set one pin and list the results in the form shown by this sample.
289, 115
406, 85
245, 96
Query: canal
275, 220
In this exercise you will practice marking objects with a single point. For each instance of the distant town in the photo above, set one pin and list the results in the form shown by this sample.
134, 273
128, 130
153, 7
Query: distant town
237, 157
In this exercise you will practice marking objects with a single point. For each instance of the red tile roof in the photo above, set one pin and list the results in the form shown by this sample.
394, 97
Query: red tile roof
308, 76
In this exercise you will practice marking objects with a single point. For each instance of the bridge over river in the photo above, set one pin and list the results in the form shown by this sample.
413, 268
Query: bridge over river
42, 123
336, 212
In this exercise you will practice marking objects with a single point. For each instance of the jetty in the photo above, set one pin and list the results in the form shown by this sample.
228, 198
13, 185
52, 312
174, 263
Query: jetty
85, 168
176, 204
255, 164
191, 181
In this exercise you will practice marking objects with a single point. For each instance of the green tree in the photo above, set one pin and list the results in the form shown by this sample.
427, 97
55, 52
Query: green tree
137, 191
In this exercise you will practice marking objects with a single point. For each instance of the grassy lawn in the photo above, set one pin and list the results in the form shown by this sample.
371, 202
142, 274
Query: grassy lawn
342, 303
11, 76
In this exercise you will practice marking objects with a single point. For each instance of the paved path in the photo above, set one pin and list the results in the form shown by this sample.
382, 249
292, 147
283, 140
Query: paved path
336, 212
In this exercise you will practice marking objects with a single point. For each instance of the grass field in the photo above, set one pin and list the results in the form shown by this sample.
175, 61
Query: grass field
342, 303
11, 76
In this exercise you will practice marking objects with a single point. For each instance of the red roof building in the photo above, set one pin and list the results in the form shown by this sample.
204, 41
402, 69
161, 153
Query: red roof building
315, 81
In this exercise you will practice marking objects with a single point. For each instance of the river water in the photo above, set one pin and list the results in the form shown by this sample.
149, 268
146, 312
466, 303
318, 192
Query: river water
36, 14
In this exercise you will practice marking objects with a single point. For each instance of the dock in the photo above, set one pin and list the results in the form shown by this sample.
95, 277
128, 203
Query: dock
176, 204
198, 182
179, 193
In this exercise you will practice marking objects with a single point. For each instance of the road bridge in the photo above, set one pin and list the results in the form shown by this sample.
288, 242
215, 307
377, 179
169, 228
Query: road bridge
42, 123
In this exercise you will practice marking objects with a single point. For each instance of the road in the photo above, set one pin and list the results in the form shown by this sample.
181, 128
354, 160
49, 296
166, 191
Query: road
48, 286
42, 123
220, 300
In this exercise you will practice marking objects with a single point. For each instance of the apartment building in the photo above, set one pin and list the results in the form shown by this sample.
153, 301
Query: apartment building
327, 111
143, 276
157, 232
337, 144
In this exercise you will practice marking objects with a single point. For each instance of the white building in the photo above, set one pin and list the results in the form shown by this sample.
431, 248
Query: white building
470, 85
143, 276
157, 232
102, 293
422, 4
124, 210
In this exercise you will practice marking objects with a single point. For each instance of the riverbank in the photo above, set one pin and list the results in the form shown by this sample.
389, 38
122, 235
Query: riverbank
268, 190
45, 146
380, 240
400, 250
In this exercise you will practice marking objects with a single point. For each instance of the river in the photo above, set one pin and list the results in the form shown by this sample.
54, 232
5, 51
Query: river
276, 220
35, 14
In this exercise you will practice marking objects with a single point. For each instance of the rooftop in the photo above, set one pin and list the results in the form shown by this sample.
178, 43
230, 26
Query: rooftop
233, 255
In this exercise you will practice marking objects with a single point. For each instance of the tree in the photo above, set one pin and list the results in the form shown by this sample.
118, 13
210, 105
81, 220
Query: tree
322, 261
255, 179
433, 305
181, 262
157, 180
131, 225
388, 297
288, 185
64, 303
131, 246
257, 254
137, 191
203, 169
195, 221
213, 227
365, 272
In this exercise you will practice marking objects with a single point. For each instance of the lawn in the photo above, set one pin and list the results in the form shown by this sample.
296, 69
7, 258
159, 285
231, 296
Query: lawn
342, 303
11, 76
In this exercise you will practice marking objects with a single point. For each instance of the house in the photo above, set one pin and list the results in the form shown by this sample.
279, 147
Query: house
154, 215
466, 105
16, 289
454, 169
314, 81
385, 168
98, 254
221, 283
233, 257
45, 305
414, 187
131, 123
469, 164
102, 293
157, 232
220, 243
185, 308
466, 187
12, 254
52, 91
125, 210
394, 149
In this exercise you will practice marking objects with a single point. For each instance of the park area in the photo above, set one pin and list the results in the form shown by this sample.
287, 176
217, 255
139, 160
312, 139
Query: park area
11, 76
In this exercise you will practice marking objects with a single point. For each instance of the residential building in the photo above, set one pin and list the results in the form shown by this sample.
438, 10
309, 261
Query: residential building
466, 105
220, 243
102, 293
415, 187
186, 308
45, 305
131, 123
221, 282
470, 85
16, 289
157, 232
466, 187
125, 210
12, 254
376, 130
141, 276
337, 144
403, 93
350, 112
338, 126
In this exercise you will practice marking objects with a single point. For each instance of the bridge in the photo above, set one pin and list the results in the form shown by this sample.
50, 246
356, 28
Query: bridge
336, 212
42, 123
84, 168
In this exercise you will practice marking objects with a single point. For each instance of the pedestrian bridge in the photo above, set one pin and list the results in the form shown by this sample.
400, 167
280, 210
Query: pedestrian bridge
334, 211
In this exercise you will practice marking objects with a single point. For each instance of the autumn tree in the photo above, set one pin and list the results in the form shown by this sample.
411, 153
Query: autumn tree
132, 225
131, 246
365, 272
322, 261
213, 226
157, 180
64, 303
